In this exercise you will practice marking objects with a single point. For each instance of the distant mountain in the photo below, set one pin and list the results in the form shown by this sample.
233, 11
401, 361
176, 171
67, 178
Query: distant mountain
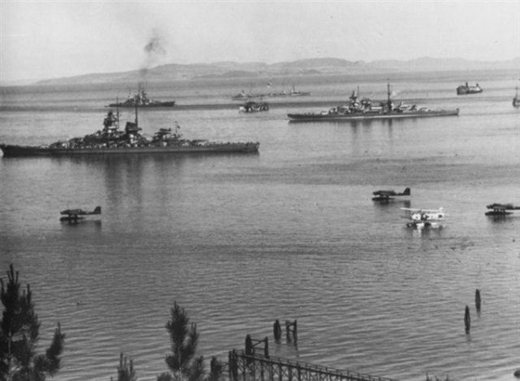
313, 66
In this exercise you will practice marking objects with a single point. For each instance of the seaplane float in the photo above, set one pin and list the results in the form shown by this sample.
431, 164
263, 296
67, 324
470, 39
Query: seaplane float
74, 215
387, 195
501, 210
425, 218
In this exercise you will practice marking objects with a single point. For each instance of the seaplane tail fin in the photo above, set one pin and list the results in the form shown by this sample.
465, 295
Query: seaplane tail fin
407, 192
97, 210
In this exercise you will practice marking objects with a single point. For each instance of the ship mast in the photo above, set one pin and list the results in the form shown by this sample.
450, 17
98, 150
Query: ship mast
389, 102
136, 121
117, 112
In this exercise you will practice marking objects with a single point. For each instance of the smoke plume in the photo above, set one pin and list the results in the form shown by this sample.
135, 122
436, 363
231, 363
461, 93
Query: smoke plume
154, 52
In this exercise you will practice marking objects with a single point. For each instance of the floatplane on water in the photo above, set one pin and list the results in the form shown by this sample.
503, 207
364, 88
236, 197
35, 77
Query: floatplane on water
74, 215
425, 218
386, 195
501, 209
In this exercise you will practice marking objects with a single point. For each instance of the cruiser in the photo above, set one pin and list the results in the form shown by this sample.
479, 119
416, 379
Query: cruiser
141, 100
359, 110
111, 141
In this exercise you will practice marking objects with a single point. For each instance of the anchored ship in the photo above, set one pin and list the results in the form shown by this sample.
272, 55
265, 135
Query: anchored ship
468, 89
112, 141
253, 106
364, 109
141, 100
516, 100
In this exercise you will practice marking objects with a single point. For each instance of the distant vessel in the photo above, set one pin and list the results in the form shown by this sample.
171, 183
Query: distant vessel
111, 141
292, 93
253, 106
516, 100
141, 100
467, 89
363, 109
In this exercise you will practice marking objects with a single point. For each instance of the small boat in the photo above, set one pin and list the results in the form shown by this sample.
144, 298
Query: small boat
516, 99
467, 89
253, 106
364, 109
141, 100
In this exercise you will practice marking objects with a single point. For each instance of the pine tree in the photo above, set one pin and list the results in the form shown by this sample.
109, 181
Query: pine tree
19, 335
125, 370
184, 338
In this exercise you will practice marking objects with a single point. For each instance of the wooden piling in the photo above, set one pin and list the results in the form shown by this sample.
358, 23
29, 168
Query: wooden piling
477, 299
249, 346
291, 330
467, 320
277, 331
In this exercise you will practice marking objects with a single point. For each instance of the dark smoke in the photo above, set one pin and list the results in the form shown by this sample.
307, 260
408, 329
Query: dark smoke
154, 51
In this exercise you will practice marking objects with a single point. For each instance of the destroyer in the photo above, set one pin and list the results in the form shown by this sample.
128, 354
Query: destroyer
363, 109
141, 100
111, 141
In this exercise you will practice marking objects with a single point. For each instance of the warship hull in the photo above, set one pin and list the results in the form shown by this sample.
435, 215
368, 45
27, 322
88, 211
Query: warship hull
149, 105
366, 116
39, 151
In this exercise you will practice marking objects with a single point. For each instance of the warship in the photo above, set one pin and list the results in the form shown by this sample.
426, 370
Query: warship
363, 109
469, 89
141, 100
112, 141
516, 100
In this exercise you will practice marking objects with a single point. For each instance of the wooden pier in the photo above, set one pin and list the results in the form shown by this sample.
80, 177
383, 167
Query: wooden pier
244, 367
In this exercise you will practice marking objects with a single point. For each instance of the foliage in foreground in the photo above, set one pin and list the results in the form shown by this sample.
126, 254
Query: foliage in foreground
19, 335
182, 363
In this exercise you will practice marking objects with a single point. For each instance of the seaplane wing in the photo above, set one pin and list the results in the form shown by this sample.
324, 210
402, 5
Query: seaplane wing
389, 193
503, 207
76, 214
384, 195
80, 212
440, 210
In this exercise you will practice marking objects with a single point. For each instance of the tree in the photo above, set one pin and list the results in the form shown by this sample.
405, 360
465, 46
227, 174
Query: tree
184, 338
125, 370
19, 335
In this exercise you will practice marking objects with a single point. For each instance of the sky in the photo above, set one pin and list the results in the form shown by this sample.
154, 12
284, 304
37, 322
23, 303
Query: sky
53, 39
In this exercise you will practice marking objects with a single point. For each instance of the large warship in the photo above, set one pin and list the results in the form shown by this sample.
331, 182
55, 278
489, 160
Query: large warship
112, 141
141, 100
364, 109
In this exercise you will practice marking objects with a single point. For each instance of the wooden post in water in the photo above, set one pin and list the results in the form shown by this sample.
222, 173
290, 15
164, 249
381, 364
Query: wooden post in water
467, 320
477, 299
277, 331
233, 365
249, 346
291, 328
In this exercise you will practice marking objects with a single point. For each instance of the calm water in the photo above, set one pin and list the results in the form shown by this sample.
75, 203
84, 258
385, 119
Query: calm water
290, 233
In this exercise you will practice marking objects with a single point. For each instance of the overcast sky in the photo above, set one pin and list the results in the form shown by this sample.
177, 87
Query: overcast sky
48, 39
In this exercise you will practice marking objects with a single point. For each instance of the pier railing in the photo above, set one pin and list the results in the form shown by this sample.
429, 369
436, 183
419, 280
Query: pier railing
244, 367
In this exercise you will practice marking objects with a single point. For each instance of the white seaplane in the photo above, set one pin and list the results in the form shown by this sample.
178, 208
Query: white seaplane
425, 218
386, 195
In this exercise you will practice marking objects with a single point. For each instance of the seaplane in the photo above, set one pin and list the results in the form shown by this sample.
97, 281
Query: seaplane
386, 195
501, 209
74, 215
425, 218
